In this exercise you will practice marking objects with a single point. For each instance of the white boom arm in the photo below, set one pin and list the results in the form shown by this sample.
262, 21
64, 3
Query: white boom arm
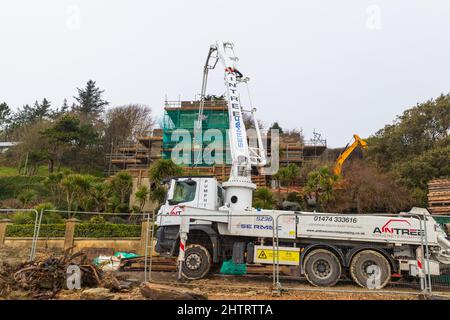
243, 156
240, 154
239, 187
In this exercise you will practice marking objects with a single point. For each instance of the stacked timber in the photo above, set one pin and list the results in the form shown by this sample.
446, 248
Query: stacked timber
439, 196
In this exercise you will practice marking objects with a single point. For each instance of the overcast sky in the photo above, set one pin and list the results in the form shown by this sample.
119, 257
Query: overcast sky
340, 67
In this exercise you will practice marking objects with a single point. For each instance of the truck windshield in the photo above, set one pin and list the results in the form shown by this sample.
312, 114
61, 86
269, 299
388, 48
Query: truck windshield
184, 191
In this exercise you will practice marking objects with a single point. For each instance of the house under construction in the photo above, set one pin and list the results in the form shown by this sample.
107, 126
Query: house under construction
181, 116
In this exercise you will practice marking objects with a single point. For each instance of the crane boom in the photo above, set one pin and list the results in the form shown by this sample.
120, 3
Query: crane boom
243, 156
346, 153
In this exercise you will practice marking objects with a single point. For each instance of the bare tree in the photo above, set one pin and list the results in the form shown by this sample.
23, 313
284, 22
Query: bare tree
126, 123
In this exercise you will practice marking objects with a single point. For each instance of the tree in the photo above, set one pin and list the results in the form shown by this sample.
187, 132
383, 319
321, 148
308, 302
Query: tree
31, 114
5, 116
121, 185
276, 126
98, 196
64, 133
296, 134
24, 115
53, 184
30, 164
141, 195
75, 143
157, 194
212, 97
32, 151
320, 186
293, 172
90, 101
263, 198
250, 123
126, 123
283, 176
42, 110
365, 189
76, 187
162, 169
416, 147
61, 111
159, 170
26, 196
416, 131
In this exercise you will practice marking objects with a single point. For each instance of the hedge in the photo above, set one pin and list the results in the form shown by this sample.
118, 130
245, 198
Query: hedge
108, 230
82, 230
26, 230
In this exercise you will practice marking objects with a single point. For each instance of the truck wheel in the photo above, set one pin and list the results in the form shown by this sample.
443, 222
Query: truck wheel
322, 268
370, 269
197, 262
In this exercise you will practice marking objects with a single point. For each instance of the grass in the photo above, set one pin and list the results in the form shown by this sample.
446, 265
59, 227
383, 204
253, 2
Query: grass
13, 171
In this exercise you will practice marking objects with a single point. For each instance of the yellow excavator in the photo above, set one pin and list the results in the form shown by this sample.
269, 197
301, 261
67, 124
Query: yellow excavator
346, 153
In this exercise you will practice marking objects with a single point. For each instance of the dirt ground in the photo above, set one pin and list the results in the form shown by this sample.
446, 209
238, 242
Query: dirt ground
226, 287
220, 287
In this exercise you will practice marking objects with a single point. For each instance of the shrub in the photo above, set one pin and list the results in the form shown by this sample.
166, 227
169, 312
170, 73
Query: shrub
12, 186
82, 230
23, 217
95, 230
97, 219
294, 197
26, 230
49, 217
263, 198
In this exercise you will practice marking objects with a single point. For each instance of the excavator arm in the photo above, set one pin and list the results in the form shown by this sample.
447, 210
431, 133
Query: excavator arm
346, 153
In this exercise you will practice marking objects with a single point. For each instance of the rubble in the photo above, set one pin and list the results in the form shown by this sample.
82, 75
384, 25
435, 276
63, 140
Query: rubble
46, 276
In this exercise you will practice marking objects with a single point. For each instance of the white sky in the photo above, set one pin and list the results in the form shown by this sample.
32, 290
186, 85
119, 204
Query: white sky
341, 67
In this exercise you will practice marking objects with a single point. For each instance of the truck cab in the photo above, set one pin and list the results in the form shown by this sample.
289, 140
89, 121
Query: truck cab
202, 192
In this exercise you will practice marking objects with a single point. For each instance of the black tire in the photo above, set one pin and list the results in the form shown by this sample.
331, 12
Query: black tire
361, 273
322, 268
197, 262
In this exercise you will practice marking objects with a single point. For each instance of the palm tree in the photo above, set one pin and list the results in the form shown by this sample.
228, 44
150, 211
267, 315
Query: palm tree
284, 176
162, 169
75, 186
293, 172
53, 183
141, 195
121, 185
320, 183
263, 198
98, 196
159, 171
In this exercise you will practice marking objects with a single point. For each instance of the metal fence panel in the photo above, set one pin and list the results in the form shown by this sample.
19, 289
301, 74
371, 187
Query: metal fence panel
6, 211
440, 284
282, 278
289, 283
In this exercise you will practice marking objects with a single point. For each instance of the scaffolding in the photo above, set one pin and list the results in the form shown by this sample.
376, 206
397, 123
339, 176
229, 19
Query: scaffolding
134, 156
183, 115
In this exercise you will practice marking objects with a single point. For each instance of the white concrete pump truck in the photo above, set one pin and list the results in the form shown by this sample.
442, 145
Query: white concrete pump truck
205, 222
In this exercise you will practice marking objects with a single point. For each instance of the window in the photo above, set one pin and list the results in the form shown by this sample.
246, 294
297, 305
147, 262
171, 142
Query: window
219, 196
184, 191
